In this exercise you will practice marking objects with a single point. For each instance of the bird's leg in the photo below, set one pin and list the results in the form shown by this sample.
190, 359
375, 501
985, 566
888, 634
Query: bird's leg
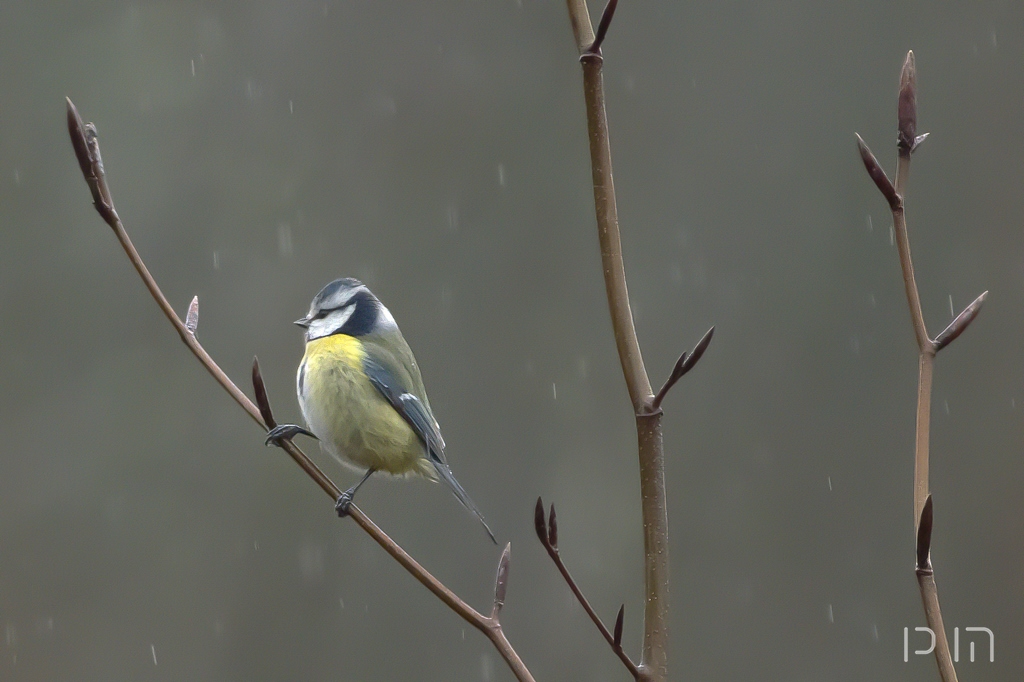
285, 432
345, 501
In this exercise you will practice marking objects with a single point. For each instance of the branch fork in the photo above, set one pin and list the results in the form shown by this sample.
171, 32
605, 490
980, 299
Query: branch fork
547, 533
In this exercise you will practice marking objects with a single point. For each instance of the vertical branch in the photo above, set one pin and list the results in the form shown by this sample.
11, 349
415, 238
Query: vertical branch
907, 141
654, 663
626, 342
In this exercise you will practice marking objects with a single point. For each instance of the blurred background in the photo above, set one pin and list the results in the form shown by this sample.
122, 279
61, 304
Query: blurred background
438, 151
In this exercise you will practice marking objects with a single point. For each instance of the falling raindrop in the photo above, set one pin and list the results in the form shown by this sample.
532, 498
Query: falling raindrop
284, 239
453, 218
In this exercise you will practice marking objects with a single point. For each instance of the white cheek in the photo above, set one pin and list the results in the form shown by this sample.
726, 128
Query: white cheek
331, 323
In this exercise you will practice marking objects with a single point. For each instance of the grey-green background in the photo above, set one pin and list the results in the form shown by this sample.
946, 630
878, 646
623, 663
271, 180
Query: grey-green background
438, 151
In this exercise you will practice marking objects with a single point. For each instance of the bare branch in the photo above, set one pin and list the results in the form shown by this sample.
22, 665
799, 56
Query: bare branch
651, 454
907, 141
959, 325
549, 540
83, 137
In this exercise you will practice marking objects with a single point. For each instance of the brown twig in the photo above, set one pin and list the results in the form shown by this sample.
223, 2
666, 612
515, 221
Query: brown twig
86, 146
907, 141
547, 533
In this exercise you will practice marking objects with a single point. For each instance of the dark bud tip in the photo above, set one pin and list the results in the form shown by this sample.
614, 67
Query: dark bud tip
617, 635
260, 389
192, 316
553, 528
76, 129
960, 324
501, 580
924, 535
878, 175
907, 109
698, 351
539, 523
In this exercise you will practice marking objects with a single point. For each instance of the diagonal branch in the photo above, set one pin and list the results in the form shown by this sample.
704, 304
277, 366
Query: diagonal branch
547, 533
87, 150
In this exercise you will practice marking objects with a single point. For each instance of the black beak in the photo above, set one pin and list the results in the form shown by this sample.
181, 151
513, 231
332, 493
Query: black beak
304, 322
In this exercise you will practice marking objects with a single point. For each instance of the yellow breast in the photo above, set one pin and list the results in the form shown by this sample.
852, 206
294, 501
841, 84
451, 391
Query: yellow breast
349, 415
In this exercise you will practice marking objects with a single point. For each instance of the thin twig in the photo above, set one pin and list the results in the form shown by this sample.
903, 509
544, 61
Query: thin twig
86, 145
547, 533
895, 193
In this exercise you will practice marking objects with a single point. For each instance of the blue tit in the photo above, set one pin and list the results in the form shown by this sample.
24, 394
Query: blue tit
361, 393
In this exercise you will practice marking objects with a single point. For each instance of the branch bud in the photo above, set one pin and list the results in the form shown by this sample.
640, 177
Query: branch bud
924, 535
617, 635
960, 324
501, 581
539, 523
882, 181
907, 109
260, 389
553, 528
192, 316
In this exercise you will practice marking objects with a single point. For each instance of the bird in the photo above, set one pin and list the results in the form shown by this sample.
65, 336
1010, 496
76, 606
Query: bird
362, 395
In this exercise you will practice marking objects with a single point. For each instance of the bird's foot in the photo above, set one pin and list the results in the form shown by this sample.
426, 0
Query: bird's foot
285, 432
344, 502
345, 499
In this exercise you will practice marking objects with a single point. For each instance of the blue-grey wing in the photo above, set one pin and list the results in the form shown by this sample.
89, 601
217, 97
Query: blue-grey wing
412, 409
418, 416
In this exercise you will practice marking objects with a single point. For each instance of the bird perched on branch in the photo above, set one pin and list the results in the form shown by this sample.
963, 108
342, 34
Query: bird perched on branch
361, 393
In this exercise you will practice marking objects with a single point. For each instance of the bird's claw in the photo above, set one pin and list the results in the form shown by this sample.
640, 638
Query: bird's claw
286, 432
343, 503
